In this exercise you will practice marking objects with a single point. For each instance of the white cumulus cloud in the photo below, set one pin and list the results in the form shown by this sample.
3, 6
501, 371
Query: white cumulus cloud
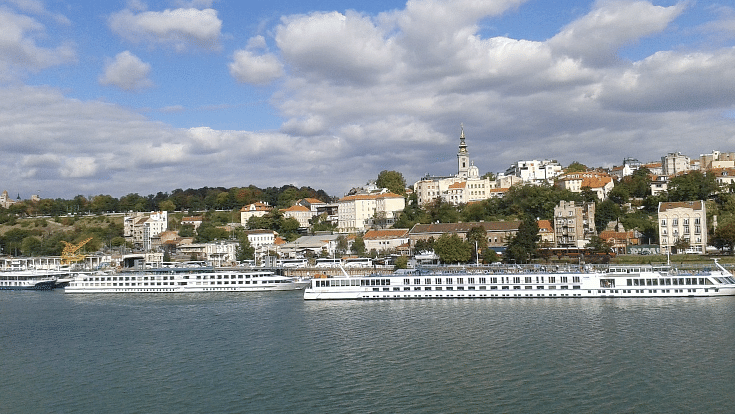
248, 67
127, 72
19, 52
181, 29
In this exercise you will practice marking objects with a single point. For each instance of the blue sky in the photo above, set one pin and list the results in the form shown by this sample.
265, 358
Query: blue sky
123, 97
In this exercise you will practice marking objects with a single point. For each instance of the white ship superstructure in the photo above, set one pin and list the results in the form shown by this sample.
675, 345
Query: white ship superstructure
183, 280
616, 281
32, 279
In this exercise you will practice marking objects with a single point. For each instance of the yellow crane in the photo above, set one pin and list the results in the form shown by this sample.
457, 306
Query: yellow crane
71, 254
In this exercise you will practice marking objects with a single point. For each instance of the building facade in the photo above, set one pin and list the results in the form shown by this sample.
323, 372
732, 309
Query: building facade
574, 223
257, 209
140, 228
685, 221
361, 211
599, 183
464, 187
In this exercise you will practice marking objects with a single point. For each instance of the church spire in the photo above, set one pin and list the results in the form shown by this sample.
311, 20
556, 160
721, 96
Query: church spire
462, 144
463, 157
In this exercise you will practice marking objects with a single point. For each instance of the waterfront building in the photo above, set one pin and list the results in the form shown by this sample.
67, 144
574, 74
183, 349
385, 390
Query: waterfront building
684, 220
545, 232
386, 240
360, 212
140, 228
497, 232
574, 223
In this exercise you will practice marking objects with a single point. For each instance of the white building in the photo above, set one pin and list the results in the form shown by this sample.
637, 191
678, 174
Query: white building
301, 213
535, 171
140, 228
675, 163
464, 187
359, 212
600, 183
257, 209
685, 220
386, 240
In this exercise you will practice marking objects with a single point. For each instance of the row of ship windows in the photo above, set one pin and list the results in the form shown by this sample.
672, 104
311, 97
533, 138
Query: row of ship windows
397, 289
670, 281
481, 295
650, 291
519, 295
226, 282
447, 281
144, 278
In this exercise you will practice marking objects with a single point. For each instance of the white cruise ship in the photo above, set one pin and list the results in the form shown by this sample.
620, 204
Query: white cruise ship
616, 282
183, 280
32, 279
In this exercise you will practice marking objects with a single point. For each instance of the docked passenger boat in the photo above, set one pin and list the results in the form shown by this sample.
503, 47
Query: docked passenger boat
616, 282
183, 280
31, 279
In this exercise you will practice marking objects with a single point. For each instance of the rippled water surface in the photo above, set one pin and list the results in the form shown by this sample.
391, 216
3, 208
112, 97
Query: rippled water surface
274, 352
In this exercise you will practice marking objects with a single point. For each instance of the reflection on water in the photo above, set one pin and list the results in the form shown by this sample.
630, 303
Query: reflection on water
273, 351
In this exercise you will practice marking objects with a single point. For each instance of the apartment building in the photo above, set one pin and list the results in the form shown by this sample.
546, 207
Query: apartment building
140, 228
685, 220
359, 212
574, 223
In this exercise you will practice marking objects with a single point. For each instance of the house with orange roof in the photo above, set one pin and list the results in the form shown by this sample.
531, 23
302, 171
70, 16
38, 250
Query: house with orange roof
545, 232
257, 209
599, 182
385, 239
301, 213
620, 240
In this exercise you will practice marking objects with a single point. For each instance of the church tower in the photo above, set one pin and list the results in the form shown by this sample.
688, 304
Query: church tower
463, 157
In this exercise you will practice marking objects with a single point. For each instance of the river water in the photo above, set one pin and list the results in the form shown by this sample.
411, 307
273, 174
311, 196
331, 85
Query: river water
275, 352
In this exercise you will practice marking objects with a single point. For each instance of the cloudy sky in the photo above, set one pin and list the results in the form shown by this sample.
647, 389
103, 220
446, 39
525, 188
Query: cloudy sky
117, 97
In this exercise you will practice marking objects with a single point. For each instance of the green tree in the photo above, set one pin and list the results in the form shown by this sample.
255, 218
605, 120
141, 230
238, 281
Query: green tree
606, 212
392, 180
207, 232
187, 230
31, 246
424, 245
358, 246
598, 245
401, 262
167, 205
724, 237
442, 212
245, 251
452, 249
522, 247
694, 185
576, 167
477, 238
